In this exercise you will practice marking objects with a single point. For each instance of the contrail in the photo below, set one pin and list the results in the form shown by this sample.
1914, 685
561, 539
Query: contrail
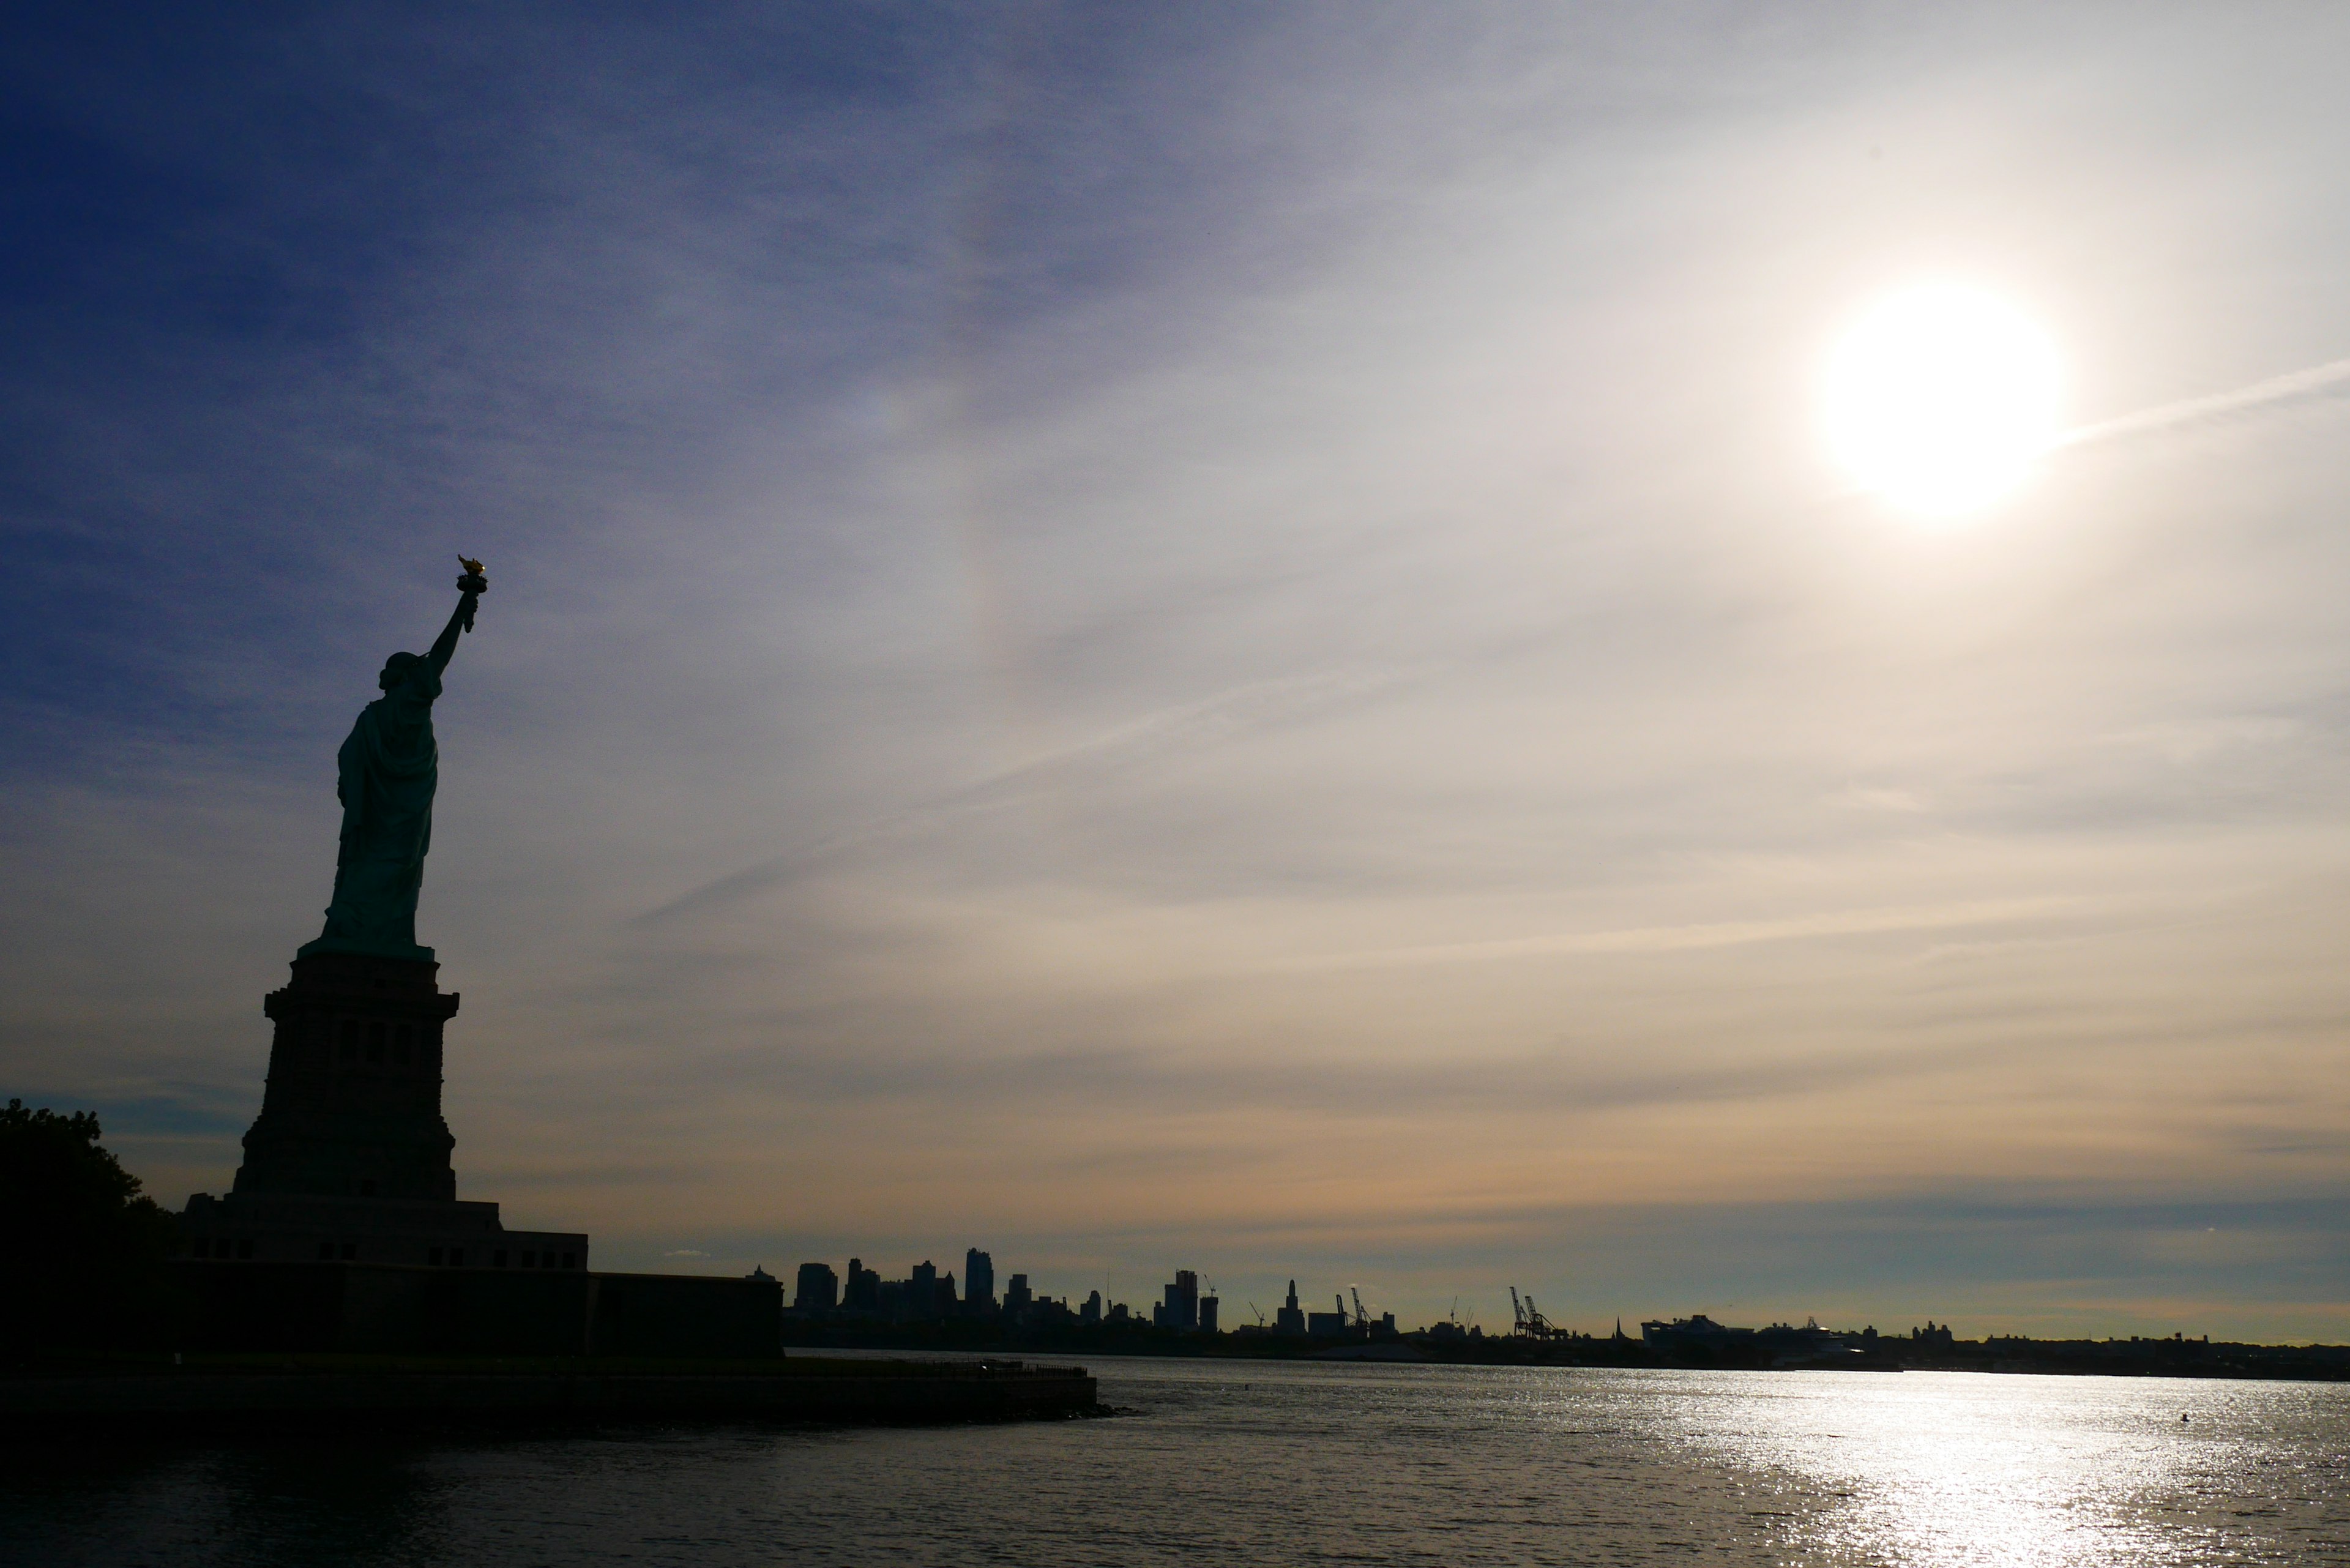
2277, 389
1254, 705
1736, 933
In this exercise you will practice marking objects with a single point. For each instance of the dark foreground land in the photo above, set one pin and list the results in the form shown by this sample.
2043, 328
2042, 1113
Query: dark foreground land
210, 1394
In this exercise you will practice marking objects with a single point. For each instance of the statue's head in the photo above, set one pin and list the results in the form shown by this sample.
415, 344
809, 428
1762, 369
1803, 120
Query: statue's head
397, 670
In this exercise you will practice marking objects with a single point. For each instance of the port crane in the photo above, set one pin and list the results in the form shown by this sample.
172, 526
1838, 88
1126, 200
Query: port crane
1527, 1318
1362, 1318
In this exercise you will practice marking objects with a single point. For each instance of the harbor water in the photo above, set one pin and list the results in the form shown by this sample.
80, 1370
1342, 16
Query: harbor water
1236, 1462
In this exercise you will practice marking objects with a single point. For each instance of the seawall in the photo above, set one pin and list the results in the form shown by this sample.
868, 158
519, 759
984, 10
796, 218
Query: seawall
888, 1393
400, 1309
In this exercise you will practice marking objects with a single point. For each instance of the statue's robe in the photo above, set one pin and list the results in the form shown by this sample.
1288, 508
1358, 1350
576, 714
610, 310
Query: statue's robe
386, 774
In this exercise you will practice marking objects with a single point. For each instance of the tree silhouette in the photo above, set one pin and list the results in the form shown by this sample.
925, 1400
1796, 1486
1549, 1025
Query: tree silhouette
89, 1251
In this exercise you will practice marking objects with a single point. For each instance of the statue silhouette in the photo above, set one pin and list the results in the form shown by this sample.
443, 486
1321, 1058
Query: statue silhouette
385, 776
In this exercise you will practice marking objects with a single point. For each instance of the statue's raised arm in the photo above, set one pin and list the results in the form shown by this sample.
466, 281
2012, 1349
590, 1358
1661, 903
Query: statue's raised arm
386, 774
473, 585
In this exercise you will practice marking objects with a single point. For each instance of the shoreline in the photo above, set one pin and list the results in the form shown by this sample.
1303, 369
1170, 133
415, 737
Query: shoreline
2162, 1358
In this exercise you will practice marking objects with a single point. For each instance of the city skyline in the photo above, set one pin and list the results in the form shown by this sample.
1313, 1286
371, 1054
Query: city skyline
1225, 634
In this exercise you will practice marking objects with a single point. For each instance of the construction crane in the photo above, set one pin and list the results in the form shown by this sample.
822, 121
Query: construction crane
1259, 1311
1362, 1318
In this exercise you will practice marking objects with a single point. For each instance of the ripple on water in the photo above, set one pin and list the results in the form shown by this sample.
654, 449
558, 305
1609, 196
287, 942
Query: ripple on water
1296, 1463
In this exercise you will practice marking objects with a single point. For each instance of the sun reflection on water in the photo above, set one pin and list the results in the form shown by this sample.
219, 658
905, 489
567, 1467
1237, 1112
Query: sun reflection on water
1941, 1470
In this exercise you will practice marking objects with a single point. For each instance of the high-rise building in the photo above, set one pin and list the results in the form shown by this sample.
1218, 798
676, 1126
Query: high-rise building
1208, 1305
1016, 1298
818, 1288
1291, 1318
922, 1293
979, 1282
1092, 1311
863, 1291
1182, 1306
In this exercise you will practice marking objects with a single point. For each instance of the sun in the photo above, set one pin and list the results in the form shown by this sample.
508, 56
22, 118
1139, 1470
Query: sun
1940, 398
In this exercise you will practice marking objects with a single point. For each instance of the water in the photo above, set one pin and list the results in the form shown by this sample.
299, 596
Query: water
1294, 1463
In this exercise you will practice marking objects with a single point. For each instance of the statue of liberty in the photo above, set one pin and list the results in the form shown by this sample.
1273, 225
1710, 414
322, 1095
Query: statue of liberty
385, 776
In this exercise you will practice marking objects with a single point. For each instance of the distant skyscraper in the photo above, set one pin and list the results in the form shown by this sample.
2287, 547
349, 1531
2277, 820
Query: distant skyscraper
818, 1288
1092, 1311
1016, 1298
1291, 1318
922, 1297
1182, 1306
863, 1292
1208, 1305
979, 1282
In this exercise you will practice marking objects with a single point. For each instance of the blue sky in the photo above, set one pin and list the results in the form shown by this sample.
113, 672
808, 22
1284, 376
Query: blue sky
1215, 636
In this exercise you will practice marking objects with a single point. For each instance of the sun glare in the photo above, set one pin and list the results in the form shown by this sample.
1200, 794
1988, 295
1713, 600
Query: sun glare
1940, 398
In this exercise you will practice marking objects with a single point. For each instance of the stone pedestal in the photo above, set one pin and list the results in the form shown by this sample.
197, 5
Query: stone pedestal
352, 1109
348, 1161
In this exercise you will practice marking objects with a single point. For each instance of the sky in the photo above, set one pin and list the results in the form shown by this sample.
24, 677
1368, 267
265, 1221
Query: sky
1216, 636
